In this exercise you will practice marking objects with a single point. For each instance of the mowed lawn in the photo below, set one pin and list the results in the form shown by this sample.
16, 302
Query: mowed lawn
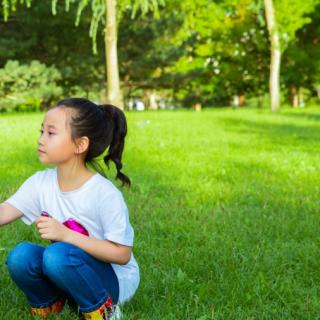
225, 207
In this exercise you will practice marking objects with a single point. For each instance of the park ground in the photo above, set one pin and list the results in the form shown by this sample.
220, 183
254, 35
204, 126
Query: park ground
225, 207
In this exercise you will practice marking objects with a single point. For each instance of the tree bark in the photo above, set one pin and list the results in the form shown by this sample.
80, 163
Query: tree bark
294, 96
197, 105
274, 80
114, 95
153, 100
260, 101
146, 98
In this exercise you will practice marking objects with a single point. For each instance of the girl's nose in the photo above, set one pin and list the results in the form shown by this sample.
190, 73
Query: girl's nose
40, 141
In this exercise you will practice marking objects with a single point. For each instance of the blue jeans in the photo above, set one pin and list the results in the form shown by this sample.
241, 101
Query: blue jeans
46, 274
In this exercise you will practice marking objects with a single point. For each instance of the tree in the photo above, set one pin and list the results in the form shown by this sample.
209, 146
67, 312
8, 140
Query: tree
284, 18
103, 11
147, 51
225, 51
274, 79
302, 58
55, 41
113, 82
108, 9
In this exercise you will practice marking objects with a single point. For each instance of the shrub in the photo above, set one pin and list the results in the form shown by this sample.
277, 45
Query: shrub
27, 87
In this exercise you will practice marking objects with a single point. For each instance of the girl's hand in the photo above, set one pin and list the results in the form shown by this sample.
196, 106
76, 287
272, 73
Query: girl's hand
51, 229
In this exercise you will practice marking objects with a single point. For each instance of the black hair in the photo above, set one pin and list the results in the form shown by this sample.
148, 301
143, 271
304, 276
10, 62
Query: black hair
105, 126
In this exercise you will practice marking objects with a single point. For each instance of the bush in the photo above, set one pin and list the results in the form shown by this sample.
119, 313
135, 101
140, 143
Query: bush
28, 87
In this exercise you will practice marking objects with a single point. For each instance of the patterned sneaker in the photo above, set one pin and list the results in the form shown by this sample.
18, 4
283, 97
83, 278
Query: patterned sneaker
116, 314
44, 312
108, 311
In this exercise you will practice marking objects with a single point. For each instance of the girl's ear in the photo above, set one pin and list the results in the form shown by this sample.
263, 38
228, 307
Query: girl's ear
82, 145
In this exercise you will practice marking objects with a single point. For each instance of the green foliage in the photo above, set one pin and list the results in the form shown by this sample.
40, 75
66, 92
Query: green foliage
147, 50
225, 50
54, 40
28, 87
8, 6
98, 9
187, 51
291, 15
302, 57
143, 6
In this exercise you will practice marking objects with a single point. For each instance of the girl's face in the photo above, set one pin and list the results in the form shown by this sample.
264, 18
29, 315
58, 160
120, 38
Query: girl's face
55, 145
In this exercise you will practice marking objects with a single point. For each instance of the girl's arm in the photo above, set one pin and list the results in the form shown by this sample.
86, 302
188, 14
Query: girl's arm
103, 250
8, 213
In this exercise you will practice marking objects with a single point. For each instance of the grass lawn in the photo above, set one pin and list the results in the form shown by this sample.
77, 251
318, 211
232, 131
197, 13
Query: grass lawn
225, 206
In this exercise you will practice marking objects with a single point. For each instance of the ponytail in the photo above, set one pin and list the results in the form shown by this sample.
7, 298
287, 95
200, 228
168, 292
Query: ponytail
106, 128
119, 124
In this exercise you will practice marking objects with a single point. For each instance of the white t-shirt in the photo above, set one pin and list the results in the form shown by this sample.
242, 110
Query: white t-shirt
98, 205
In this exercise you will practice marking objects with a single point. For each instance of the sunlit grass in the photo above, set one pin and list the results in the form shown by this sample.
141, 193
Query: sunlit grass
225, 209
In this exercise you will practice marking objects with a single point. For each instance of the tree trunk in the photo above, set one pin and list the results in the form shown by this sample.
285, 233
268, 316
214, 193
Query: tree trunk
294, 96
146, 98
301, 98
274, 80
110, 39
126, 91
153, 100
260, 100
236, 101
197, 105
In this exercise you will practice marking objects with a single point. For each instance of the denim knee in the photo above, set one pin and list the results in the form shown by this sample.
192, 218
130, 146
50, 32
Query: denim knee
55, 260
21, 260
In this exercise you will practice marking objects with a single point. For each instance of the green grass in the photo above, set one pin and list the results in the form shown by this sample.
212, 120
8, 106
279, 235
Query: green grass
225, 206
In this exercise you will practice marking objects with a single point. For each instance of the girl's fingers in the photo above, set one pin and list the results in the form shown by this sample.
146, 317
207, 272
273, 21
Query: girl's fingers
45, 236
44, 230
42, 219
42, 225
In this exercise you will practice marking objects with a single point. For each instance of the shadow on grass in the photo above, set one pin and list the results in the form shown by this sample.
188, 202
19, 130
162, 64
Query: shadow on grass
277, 133
303, 115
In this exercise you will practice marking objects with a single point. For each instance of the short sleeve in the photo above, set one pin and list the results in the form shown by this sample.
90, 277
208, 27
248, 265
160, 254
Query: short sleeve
26, 199
114, 218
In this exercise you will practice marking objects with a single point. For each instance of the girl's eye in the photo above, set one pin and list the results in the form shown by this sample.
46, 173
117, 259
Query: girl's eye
50, 133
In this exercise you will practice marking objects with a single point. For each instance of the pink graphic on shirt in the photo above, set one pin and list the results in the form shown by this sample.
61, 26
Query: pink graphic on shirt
71, 224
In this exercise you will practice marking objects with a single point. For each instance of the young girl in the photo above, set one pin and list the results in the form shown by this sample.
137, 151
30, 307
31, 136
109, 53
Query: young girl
89, 260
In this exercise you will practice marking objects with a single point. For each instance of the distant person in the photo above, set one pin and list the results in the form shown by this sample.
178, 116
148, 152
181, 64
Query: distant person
89, 262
